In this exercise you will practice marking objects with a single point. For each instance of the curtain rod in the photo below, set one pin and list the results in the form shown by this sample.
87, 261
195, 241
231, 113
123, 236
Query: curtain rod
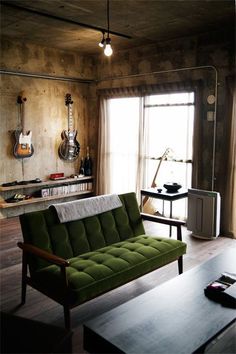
47, 77
177, 70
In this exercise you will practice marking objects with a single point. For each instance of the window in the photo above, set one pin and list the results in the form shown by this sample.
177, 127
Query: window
138, 132
169, 119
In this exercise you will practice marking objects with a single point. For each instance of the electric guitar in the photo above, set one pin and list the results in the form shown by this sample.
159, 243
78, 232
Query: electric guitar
23, 146
69, 148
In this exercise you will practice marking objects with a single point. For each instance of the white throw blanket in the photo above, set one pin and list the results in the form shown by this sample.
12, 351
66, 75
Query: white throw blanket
83, 208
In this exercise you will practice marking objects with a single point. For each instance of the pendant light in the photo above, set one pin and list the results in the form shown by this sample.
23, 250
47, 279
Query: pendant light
108, 49
101, 44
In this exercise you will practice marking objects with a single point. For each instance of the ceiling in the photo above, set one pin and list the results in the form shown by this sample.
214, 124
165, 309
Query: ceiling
54, 23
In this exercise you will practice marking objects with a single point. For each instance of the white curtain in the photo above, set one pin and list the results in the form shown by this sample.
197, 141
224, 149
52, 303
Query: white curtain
128, 136
120, 155
103, 168
129, 169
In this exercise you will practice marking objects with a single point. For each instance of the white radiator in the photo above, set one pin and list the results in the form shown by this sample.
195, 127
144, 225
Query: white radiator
203, 213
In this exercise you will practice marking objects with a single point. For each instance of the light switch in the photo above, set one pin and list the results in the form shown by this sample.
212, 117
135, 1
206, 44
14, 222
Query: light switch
210, 116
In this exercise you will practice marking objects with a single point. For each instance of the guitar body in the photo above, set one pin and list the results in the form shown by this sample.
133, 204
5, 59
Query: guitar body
23, 147
69, 148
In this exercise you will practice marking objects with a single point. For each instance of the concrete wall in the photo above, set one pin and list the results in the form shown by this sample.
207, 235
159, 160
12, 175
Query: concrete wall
45, 110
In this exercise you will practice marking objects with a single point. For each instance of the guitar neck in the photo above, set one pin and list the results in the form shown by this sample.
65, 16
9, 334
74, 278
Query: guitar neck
70, 118
21, 101
23, 117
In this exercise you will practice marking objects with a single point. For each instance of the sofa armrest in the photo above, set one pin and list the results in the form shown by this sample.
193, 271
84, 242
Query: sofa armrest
166, 221
162, 220
26, 247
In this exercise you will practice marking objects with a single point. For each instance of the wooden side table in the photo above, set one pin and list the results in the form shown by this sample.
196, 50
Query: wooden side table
165, 196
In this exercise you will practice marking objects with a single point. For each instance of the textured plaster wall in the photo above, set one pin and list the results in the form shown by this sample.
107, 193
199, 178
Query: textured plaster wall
45, 110
23, 56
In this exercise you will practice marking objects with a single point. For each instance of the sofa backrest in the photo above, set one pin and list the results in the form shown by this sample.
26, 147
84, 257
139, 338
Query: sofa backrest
70, 239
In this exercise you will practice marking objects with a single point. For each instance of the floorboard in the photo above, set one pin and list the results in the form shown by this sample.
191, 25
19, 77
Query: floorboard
41, 308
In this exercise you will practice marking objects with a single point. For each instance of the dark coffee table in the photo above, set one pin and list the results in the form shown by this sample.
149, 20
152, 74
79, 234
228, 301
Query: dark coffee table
175, 317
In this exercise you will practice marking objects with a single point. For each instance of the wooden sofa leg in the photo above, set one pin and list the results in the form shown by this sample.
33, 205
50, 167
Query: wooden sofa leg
180, 264
67, 317
23, 293
23, 279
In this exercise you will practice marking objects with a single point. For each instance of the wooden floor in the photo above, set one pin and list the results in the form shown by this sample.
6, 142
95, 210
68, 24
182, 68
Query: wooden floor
41, 308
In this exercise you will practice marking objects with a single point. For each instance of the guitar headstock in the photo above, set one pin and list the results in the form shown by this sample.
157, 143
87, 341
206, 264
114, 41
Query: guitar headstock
167, 153
68, 99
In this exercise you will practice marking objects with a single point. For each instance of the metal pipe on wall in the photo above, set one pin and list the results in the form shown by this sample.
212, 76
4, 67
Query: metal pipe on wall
47, 77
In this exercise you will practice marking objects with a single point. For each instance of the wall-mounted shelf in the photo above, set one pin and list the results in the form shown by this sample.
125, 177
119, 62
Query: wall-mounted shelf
48, 183
47, 190
5, 205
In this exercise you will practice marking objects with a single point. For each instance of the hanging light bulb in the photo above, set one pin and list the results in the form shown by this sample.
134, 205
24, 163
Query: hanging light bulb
101, 44
108, 49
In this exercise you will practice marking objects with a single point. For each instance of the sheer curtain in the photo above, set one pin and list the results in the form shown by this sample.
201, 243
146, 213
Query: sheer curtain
103, 169
105, 174
120, 167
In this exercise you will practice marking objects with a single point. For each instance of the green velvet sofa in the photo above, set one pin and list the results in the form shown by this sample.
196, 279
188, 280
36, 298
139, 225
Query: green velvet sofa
75, 261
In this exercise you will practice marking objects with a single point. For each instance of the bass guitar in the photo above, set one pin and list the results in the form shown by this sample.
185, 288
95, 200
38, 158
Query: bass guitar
23, 146
69, 148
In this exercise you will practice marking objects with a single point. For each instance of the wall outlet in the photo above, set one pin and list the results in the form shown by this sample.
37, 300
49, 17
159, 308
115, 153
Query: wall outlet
210, 116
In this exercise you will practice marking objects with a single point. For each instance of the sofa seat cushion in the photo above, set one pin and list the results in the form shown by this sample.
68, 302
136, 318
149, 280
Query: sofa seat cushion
96, 272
